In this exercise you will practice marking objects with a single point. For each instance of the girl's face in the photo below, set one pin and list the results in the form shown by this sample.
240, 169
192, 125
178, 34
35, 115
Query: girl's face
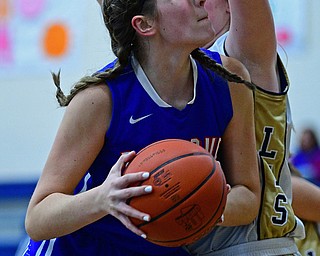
219, 14
182, 22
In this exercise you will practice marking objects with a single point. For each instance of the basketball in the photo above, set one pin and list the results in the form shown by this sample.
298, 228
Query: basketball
189, 192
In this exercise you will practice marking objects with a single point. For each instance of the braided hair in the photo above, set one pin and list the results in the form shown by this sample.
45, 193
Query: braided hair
117, 15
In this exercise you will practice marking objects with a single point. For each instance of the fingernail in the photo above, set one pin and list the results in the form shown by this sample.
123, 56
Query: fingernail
144, 236
145, 175
148, 189
146, 218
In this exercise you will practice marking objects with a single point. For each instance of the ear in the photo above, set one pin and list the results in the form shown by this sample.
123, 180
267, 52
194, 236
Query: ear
142, 25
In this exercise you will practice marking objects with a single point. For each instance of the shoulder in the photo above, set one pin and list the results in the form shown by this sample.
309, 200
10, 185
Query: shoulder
91, 104
97, 95
236, 67
242, 96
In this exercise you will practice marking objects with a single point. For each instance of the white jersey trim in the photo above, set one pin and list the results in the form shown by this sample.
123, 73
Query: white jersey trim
147, 86
49, 249
218, 45
85, 185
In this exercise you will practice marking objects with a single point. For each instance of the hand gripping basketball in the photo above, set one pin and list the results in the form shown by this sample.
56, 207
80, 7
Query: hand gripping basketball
189, 192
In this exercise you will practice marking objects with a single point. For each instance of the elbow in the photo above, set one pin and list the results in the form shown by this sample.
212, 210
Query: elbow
252, 207
255, 201
31, 229
250, 213
243, 205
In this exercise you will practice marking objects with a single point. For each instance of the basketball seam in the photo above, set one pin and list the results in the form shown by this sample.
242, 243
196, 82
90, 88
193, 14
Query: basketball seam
187, 196
170, 161
204, 226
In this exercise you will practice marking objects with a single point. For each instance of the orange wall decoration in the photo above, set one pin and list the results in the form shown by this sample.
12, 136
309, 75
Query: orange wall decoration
4, 9
56, 40
40, 35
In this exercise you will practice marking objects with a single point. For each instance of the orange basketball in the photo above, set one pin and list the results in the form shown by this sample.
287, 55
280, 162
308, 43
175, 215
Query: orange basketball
189, 192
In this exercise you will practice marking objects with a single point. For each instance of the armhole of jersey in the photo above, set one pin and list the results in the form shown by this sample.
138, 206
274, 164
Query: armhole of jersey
283, 76
213, 55
112, 89
115, 108
225, 49
227, 112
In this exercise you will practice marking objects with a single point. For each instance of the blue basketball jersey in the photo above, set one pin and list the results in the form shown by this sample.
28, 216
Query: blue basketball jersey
141, 117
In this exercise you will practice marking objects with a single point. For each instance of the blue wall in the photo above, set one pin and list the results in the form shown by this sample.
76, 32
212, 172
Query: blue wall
14, 198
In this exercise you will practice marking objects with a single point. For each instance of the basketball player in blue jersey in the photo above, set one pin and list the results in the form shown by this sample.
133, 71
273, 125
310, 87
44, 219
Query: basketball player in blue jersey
160, 86
245, 30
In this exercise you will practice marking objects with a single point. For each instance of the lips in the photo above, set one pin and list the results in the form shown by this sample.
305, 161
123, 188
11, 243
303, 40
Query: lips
203, 18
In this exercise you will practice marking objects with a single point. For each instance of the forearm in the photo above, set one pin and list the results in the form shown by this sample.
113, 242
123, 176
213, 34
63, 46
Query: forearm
239, 160
242, 206
248, 42
60, 214
252, 15
306, 199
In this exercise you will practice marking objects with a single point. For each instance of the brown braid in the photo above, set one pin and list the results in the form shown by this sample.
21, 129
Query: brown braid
219, 69
82, 84
117, 17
